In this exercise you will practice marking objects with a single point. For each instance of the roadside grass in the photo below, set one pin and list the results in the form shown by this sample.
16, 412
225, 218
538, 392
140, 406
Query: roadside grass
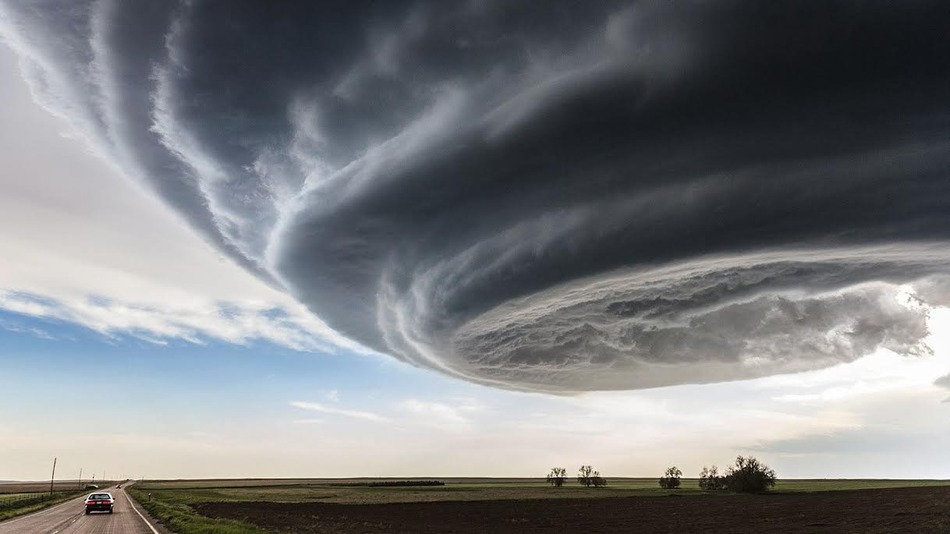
175, 514
16, 504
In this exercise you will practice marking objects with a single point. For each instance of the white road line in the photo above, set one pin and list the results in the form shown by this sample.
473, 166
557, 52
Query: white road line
140, 513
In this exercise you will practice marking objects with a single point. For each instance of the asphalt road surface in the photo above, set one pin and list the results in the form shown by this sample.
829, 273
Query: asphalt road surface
70, 518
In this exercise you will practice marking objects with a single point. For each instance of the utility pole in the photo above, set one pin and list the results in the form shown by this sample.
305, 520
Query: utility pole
52, 477
80, 478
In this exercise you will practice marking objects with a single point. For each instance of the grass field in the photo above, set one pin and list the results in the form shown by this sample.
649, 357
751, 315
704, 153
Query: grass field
174, 510
14, 504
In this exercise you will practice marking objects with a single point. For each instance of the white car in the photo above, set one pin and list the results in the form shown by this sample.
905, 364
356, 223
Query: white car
99, 502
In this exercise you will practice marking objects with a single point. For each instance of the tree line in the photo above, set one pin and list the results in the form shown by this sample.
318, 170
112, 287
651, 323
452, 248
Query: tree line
586, 476
748, 475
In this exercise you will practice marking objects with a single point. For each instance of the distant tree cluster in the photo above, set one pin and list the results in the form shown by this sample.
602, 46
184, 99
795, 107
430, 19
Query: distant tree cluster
586, 476
749, 475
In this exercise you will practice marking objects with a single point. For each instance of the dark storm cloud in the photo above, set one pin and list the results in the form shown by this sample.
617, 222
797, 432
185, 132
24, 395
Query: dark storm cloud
586, 196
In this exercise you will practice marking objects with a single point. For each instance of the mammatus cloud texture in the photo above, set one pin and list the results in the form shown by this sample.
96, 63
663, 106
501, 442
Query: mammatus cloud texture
574, 196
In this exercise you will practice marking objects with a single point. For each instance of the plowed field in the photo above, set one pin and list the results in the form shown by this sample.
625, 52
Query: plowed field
924, 509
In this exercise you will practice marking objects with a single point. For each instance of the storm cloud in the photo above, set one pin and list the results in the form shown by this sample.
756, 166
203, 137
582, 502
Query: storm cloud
558, 197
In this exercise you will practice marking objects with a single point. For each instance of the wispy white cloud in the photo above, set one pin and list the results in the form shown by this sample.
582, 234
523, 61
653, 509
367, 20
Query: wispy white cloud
322, 408
11, 326
195, 321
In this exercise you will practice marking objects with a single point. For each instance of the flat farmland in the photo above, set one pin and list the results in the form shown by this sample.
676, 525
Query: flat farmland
40, 487
529, 505
345, 492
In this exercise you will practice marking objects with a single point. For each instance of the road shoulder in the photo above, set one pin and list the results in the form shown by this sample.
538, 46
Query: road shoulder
145, 517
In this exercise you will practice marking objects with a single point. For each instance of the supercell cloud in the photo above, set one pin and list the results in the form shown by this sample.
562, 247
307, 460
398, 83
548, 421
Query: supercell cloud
561, 196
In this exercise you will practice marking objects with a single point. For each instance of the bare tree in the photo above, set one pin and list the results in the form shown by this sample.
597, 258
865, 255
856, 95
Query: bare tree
709, 479
585, 476
598, 481
557, 476
671, 478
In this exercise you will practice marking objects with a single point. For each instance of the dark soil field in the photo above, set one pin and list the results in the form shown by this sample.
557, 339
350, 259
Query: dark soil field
923, 509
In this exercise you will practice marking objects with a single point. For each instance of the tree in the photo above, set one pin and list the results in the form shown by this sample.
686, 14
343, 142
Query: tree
557, 476
585, 476
671, 479
750, 476
709, 479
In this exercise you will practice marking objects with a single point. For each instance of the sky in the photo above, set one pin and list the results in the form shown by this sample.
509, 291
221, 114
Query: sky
473, 238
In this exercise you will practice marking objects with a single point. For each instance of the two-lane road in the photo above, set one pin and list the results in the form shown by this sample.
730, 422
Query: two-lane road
70, 518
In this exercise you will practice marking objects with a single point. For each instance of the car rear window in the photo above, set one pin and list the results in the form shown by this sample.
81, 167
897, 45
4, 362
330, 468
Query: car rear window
100, 496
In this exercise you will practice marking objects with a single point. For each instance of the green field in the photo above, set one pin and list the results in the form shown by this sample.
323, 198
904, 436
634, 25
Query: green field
331, 491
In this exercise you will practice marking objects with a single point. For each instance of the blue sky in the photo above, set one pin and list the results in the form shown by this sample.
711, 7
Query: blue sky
216, 409
132, 343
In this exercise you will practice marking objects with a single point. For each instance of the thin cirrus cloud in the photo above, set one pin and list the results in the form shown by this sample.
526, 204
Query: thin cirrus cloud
590, 196
428, 412
331, 410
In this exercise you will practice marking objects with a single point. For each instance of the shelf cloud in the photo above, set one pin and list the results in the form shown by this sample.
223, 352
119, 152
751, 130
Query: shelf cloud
588, 195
